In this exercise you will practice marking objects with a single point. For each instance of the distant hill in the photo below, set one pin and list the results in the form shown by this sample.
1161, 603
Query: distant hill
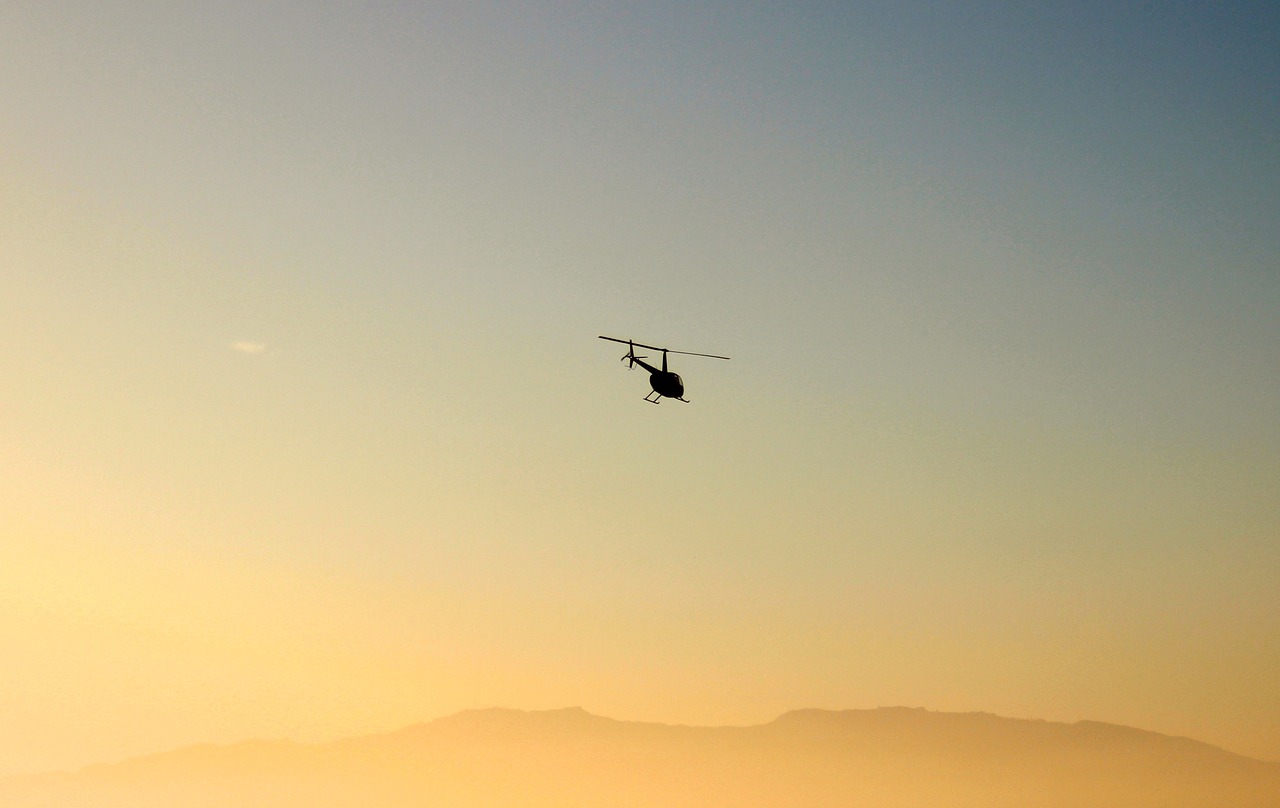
890, 758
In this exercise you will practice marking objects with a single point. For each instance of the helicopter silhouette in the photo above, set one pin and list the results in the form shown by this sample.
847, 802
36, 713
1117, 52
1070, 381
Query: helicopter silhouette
665, 383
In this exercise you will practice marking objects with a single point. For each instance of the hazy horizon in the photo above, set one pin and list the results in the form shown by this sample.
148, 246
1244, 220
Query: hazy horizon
307, 432
892, 756
578, 710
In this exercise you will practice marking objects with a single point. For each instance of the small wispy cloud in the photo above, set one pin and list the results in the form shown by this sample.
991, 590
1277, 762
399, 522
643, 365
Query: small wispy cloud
246, 347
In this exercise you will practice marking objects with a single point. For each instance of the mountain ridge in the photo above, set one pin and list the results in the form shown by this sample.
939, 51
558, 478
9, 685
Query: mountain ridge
890, 756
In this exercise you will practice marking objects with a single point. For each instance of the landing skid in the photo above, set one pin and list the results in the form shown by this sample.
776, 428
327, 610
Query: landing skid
659, 398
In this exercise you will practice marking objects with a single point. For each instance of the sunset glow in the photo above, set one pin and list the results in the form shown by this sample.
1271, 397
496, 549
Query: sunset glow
307, 433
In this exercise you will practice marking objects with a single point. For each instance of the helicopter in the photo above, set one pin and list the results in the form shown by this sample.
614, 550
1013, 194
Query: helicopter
665, 383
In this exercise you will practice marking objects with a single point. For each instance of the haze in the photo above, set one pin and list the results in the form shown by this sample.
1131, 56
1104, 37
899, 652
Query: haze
307, 434
888, 757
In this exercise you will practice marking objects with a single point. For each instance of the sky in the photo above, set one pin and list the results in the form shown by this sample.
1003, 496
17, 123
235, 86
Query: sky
307, 433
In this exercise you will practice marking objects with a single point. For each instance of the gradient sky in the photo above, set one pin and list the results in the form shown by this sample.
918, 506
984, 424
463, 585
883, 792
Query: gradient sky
307, 433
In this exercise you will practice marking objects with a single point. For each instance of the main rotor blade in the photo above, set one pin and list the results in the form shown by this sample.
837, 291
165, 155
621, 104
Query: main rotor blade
630, 342
691, 353
664, 350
